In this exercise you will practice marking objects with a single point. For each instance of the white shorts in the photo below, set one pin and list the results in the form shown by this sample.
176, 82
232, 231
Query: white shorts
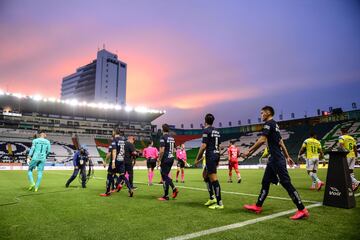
312, 164
351, 163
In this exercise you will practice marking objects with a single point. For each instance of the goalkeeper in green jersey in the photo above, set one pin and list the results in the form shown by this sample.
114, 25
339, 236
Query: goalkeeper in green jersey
39, 151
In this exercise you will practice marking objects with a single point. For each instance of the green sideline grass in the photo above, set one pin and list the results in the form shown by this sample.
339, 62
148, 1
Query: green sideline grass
74, 213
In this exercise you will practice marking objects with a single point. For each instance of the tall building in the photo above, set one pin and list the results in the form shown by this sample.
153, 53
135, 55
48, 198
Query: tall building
103, 80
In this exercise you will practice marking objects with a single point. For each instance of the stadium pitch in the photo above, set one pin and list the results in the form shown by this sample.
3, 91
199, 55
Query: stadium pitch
56, 212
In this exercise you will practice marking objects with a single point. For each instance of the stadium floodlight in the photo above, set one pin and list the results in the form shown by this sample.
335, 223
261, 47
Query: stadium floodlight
52, 99
36, 97
142, 109
2, 92
73, 102
118, 107
18, 95
129, 108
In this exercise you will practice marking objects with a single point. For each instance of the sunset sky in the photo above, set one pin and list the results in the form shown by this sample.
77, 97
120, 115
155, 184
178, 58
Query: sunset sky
192, 57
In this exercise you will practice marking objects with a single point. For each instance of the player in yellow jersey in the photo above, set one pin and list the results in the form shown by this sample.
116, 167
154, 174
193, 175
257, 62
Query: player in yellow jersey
313, 152
348, 143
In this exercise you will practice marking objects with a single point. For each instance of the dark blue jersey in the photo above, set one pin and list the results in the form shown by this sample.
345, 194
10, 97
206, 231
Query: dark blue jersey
129, 149
211, 137
118, 144
272, 132
168, 143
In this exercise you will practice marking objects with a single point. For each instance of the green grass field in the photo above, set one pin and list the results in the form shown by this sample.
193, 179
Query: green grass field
74, 213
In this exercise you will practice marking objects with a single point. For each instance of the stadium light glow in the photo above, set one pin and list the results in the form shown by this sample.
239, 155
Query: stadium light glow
141, 109
18, 95
128, 109
37, 97
75, 102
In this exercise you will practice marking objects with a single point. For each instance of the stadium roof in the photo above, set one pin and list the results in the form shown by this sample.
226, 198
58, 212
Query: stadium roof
19, 103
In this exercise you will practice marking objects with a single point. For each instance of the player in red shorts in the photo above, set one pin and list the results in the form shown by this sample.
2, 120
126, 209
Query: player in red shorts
234, 153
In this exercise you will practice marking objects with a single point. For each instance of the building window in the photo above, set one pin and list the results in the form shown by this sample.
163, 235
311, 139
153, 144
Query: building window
122, 65
106, 86
107, 75
107, 70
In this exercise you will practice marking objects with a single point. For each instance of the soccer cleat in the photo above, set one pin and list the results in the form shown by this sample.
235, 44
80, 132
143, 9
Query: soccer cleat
118, 188
300, 214
104, 195
210, 202
36, 189
239, 181
176, 180
182, 181
134, 188
163, 199
66, 185
216, 206
131, 193
175, 193
312, 187
320, 184
229, 181
355, 186
31, 187
150, 184
253, 208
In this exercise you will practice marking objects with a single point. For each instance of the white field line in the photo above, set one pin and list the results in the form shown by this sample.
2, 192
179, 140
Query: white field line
241, 224
238, 225
205, 190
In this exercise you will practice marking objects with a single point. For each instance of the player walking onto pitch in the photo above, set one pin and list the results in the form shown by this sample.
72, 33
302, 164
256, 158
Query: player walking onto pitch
233, 153
117, 165
348, 143
166, 160
181, 161
151, 154
39, 151
211, 144
276, 166
313, 150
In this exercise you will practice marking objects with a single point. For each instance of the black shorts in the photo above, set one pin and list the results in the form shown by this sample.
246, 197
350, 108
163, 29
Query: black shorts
166, 166
211, 165
180, 163
119, 168
151, 163
129, 168
275, 172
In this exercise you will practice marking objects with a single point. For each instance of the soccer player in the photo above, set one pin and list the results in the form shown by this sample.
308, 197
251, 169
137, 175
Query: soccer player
181, 161
233, 153
151, 154
39, 151
348, 143
313, 150
276, 165
117, 165
130, 159
166, 160
81, 157
211, 144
